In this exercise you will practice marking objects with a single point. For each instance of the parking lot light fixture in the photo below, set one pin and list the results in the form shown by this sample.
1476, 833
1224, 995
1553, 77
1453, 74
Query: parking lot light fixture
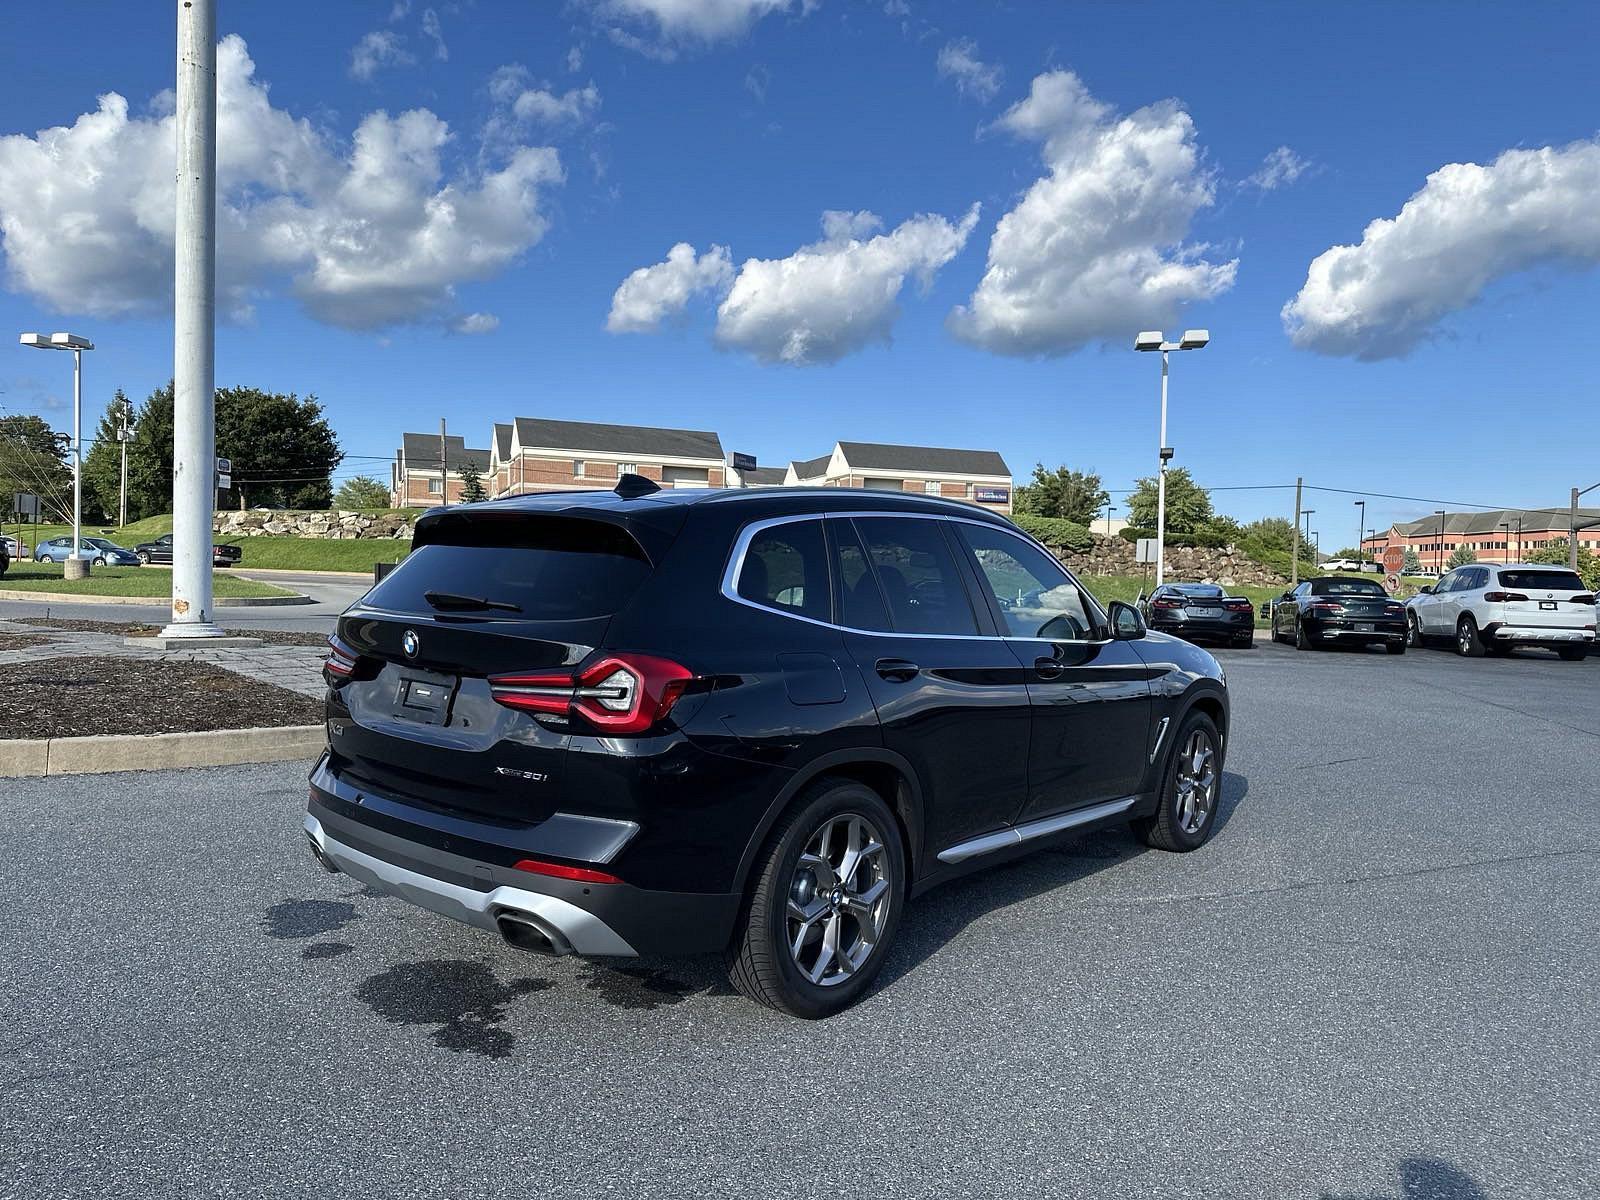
76, 344
1154, 339
1361, 523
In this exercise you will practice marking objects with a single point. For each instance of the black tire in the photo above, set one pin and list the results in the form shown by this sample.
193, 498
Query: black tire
1468, 643
1245, 641
144, 558
1573, 653
1301, 641
100, 561
760, 962
1164, 829
1414, 636
1395, 647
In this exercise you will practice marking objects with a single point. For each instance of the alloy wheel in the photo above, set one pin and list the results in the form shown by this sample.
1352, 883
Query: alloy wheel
1196, 782
838, 900
1413, 631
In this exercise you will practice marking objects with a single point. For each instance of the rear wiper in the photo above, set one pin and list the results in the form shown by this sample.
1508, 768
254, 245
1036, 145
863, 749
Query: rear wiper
449, 600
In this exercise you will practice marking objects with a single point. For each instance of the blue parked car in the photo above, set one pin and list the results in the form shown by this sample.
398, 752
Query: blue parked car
100, 551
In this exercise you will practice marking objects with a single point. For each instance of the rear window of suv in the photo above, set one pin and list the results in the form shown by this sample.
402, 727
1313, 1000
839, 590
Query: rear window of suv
1544, 581
550, 568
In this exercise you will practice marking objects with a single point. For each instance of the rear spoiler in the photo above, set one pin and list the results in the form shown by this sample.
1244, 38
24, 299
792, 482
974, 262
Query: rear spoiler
652, 527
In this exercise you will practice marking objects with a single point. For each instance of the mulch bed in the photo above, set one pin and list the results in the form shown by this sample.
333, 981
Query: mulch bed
78, 697
275, 637
20, 641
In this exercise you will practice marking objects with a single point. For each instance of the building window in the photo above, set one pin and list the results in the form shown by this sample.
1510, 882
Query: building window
931, 487
579, 468
627, 468
435, 487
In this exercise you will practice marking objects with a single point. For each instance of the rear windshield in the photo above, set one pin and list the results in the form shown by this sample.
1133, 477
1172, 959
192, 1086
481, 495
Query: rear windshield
1197, 589
550, 568
1347, 587
1544, 581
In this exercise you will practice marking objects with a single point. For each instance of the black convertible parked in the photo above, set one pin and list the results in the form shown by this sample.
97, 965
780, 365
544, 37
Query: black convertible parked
1200, 610
223, 554
1338, 610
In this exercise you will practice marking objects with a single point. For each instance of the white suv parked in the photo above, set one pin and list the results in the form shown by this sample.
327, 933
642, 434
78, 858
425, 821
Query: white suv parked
1482, 607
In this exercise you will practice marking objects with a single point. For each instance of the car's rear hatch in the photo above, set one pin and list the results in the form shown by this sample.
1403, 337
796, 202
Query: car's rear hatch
1543, 598
484, 592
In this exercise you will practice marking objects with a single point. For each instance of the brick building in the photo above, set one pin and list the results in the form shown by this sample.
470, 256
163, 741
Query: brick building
978, 476
1498, 536
532, 454
424, 466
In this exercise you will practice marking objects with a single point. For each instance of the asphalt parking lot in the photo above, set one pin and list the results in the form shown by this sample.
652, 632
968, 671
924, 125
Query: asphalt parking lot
1379, 981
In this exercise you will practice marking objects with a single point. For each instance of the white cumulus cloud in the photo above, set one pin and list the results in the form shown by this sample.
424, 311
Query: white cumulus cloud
1469, 226
1278, 169
375, 233
377, 50
659, 292
693, 20
973, 77
837, 295
474, 324
1095, 250
571, 107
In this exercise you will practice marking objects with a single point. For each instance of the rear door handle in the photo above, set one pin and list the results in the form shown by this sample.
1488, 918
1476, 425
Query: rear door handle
1047, 668
897, 670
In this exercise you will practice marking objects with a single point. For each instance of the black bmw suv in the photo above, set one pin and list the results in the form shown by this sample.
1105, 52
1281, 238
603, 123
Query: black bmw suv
754, 723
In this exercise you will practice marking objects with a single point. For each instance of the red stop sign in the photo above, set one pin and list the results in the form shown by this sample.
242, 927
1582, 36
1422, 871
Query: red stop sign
1394, 558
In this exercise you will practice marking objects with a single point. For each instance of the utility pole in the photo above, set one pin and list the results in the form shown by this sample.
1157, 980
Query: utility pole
444, 466
194, 463
1294, 556
1572, 537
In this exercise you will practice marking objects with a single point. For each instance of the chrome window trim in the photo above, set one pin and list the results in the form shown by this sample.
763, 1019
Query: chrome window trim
747, 534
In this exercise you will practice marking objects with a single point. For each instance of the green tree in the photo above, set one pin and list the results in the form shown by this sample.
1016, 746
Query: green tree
1413, 562
1556, 552
33, 458
471, 483
102, 465
361, 491
1071, 495
1460, 557
282, 447
1269, 533
1188, 504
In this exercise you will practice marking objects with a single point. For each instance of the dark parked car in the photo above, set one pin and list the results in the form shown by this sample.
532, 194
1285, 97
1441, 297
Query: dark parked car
748, 722
5, 557
1200, 610
223, 554
1338, 611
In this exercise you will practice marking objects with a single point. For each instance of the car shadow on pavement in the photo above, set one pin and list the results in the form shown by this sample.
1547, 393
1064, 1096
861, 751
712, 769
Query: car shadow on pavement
1424, 1179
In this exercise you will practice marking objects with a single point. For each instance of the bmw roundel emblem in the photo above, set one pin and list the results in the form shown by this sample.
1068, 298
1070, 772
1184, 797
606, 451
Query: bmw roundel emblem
410, 644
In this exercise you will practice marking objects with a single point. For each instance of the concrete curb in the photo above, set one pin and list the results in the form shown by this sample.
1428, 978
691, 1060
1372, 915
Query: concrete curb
247, 571
158, 751
149, 601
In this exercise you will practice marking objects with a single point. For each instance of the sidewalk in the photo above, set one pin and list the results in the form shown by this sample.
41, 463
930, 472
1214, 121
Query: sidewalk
296, 668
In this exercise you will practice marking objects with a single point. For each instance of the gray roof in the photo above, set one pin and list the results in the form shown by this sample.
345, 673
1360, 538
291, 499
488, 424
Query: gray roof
633, 440
810, 468
867, 455
1534, 520
421, 452
502, 440
764, 476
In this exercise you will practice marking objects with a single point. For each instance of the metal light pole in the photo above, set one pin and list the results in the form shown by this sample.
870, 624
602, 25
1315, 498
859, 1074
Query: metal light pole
194, 460
1572, 537
1193, 339
1110, 508
124, 436
1305, 513
1361, 523
76, 566
1438, 548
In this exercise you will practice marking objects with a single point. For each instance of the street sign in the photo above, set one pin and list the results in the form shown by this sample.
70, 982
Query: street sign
743, 462
1146, 550
1391, 583
1394, 559
25, 504
224, 466
224, 482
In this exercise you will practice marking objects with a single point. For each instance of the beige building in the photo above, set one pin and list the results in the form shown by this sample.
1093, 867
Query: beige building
977, 476
532, 454
426, 466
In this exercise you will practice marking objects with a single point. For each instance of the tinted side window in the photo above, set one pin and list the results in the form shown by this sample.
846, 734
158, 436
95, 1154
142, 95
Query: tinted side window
918, 575
1037, 597
785, 568
859, 601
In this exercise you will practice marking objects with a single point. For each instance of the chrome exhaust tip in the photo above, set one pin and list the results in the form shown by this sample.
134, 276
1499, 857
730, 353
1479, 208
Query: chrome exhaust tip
527, 932
321, 855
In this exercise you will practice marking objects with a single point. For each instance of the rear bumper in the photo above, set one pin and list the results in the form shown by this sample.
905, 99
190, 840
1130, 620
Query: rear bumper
1381, 631
1538, 634
1206, 627
462, 870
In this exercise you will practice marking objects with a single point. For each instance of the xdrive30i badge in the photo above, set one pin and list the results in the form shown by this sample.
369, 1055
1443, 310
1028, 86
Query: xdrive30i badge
531, 776
410, 643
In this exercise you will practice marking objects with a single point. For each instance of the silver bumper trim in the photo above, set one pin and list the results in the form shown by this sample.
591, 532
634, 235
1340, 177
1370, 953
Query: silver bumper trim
990, 842
583, 931
1539, 633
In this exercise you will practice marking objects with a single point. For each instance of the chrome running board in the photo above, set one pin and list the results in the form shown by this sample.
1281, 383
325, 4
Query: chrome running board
1015, 836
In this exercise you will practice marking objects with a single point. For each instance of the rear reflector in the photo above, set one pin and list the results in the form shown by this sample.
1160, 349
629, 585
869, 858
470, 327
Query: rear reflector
535, 866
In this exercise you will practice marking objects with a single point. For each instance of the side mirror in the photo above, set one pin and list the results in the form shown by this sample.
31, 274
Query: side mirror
1425, 590
1126, 623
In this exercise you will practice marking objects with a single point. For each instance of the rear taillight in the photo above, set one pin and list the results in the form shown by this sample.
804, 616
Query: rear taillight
1580, 599
1328, 610
621, 693
1394, 610
1238, 606
1166, 602
1502, 597
341, 662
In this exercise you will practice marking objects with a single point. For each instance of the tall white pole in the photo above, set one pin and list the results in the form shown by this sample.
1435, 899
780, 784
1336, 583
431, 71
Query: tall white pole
1161, 484
194, 323
77, 454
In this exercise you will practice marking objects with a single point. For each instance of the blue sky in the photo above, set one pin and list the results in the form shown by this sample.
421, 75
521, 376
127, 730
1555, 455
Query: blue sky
739, 124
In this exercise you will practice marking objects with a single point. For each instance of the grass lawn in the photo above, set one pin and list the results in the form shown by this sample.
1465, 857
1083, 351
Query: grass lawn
319, 554
124, 581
